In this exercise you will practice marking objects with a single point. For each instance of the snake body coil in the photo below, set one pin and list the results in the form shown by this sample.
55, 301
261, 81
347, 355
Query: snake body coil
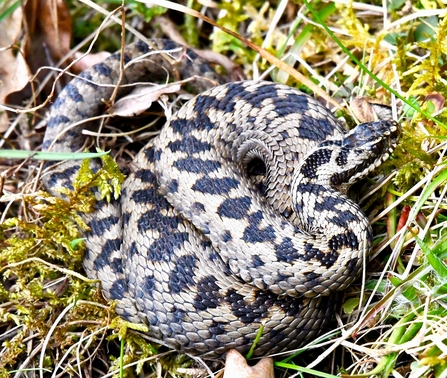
194, 248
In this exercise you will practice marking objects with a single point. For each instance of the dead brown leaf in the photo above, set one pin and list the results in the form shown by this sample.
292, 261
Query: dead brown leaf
367, 109
141, 99
49, 32
14, 72
236, 367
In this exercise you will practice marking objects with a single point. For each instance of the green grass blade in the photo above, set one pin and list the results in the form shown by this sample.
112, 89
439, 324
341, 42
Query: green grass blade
58, 156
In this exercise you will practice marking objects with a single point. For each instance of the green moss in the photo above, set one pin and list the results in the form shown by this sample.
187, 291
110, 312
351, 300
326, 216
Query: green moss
40, 263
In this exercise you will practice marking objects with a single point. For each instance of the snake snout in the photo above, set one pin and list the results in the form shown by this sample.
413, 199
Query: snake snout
372, 143
380, 140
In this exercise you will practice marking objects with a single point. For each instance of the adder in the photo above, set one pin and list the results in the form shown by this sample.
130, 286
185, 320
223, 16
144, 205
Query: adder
198, 248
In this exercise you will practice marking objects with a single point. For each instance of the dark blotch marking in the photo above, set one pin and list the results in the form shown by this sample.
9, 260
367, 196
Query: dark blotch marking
164, 248
149, 153
311, 253
133, 250
313, 280
348, 239
181, 277
57, 120
236, 208
153, 154
203, 68
144, 48
207, 294
256, 310
192, 145
179, 125
126, 218
342, 157
103, 69
330, 143
314, 161
63, 178
196, 165
198, 207
238, 305
286, 251
326, 259
178, 314
206, 244
173, 186
150, 195
309, 133
254, 234
112, 245
226, 236
169, 45
209, 102
343, 177
99, 226
256, 98
86, 78
118, 290
257, 262
352, 265
149, 284
216, 329
145, 175
344, 218
72, 91
328, 203
210, 185
104, 257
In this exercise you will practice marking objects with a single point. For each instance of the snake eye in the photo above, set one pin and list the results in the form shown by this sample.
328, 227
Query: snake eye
377, 147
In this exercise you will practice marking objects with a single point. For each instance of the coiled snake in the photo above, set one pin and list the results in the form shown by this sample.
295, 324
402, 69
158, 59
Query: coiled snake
195, 248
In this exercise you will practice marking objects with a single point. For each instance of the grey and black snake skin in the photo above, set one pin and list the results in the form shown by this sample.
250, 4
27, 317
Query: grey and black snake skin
194, 248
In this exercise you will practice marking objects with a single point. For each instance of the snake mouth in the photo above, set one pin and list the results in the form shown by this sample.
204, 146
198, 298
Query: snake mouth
386, 143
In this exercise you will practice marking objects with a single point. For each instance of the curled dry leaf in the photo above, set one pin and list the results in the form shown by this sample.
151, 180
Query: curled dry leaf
367, 109
236, 366
141, 98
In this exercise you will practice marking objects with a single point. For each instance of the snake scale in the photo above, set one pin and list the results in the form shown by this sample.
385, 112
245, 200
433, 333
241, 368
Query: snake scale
195, 247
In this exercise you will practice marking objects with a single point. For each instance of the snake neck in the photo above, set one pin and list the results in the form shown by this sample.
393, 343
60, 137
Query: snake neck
323, 176
323, 212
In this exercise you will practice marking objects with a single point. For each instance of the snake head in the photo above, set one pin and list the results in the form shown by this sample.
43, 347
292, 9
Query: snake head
341, 161
365, 148
372, 143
